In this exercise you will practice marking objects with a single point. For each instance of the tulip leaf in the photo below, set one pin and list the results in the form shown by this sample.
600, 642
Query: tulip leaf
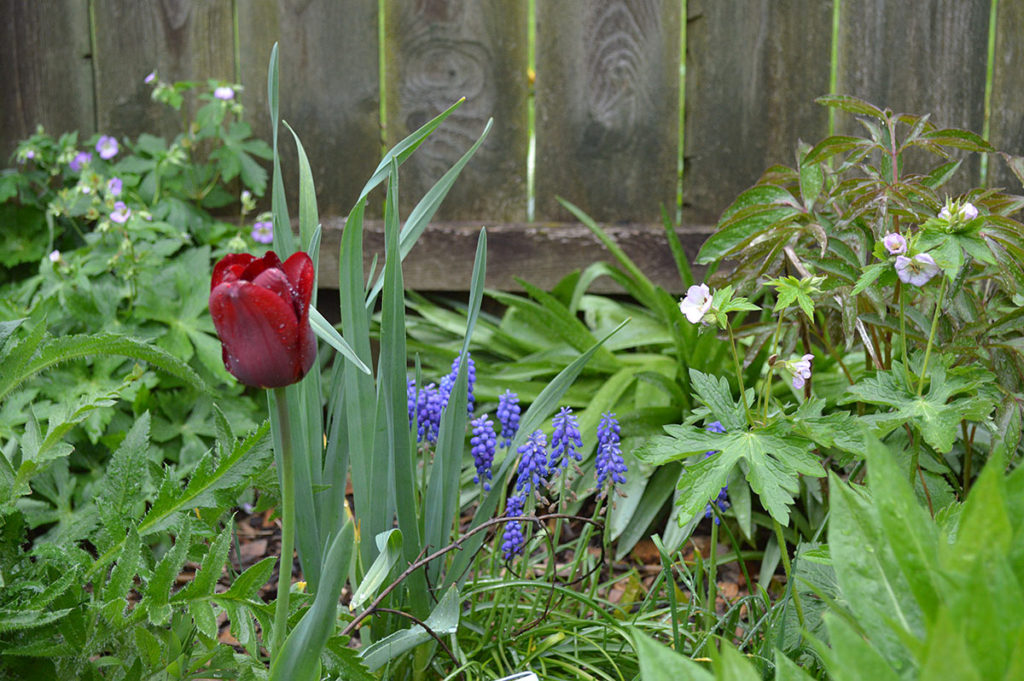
389, 544
299, 657
428, 205
308, 215
330, 335
284, 242
443, 620
403, 150
441, 502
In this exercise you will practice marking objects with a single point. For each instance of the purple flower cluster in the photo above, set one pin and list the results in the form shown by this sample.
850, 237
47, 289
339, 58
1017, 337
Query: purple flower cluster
532, 462
482, 446
513, 539
448, 382
508, 417
722, 500
609, 464
425, 407
565, 440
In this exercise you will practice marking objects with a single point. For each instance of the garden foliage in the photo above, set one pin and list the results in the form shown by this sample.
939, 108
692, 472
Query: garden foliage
836, 408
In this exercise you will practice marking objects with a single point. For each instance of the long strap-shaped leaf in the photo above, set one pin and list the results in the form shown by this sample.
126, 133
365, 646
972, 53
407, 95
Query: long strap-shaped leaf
393, 405
427, 207
299, 658
441, 506
284, 242
403, 150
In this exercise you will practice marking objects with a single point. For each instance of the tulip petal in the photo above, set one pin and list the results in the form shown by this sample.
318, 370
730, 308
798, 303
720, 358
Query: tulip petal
259, 333
229, 267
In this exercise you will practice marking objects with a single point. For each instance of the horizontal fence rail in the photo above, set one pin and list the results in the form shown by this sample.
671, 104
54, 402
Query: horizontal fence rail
613, 115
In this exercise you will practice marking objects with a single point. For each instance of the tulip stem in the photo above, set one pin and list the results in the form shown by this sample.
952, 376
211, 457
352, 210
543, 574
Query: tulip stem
287, 479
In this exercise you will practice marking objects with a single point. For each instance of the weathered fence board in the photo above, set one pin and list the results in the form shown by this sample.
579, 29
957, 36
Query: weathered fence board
607, 108
329, 89
752, 73
607, 99
928, 60
45, 72
539, 253
1007, 117
180, 39
437, 51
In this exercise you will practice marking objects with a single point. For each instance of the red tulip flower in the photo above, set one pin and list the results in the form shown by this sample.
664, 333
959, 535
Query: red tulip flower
260, 307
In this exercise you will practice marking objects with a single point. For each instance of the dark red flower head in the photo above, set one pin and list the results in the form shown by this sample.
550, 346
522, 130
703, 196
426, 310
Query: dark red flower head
260, 307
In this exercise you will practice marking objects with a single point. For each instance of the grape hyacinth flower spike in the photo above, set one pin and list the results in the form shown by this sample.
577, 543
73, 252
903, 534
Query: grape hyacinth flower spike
508, 417
448, 382
609, 465
566, 440
482, 446
512, 538
533, 464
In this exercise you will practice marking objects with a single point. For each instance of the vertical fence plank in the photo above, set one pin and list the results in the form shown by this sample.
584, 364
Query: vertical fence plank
45, 80
329, 89
931, 60
437, 51
1006, 124
752, 73
607, 108
181, 39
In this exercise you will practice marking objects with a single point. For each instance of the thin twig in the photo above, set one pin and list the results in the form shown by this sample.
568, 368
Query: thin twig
457, 544
433, 634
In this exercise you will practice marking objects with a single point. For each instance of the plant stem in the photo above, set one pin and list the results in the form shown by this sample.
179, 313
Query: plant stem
788, 567
739, 377
711, 612
931, 336
287, 480
771, 369
903, 325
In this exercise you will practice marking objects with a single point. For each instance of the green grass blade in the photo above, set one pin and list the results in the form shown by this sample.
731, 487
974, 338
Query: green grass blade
678, 254
444, 619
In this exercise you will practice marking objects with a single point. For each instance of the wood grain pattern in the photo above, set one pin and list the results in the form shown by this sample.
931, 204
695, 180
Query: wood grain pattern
1006, 131
436, 52
607, 108
931, 60
45, 80
180, 39
540, 253
753, 70
329, 89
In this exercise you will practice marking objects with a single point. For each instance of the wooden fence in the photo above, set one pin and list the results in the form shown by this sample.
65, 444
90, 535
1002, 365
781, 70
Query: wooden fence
609, 132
